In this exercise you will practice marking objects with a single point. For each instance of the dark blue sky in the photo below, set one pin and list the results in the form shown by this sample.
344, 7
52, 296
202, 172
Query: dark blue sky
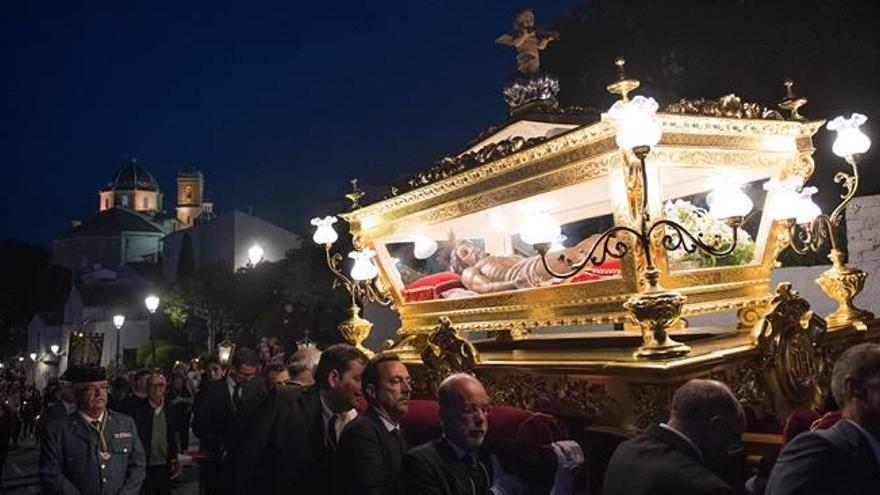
278, 103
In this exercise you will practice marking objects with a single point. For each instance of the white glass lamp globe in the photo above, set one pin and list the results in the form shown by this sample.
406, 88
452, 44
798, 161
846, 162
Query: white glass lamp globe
33, 356
636, 122
324, 231
54, 348
729, 201
363, 268
784, 198
424, 247
806, 210
152, 303
255, 254
850, 139
118, 321
539, 228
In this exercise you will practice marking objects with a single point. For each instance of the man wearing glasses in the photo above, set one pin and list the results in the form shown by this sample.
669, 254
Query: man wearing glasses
92, 450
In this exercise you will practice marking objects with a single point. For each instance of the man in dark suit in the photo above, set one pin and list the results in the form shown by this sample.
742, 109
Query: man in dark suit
844, 459
703, 433
453, 465
137, 395
214, 417
158, 429
305, 433
372, 447
93, 450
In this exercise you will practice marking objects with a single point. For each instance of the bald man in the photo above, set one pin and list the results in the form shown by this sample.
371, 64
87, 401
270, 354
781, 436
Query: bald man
453, 464
683, 456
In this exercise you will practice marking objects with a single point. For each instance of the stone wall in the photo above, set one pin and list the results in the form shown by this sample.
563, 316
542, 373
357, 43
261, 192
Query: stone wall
863, 246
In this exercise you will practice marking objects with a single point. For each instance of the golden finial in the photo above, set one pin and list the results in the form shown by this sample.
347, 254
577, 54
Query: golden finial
792, 103
355, 195
622, 86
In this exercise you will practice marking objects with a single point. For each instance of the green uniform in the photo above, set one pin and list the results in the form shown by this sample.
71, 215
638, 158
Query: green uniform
72, 461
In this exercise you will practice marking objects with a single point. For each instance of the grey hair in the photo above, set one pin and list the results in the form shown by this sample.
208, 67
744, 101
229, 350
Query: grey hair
698, 401
305, 359
861, 362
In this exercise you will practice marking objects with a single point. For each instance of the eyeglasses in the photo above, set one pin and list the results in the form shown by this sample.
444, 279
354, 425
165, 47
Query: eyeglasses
474, 409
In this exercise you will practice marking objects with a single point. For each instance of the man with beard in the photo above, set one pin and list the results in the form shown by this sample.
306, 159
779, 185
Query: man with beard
372, 447
844, 459
685, 456
303, 442
93, 450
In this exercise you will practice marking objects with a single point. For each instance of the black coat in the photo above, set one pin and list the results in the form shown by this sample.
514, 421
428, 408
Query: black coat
298, 460
143, 419
249, 461
213, 418
838, 460
371, 457
658, 461
434, 469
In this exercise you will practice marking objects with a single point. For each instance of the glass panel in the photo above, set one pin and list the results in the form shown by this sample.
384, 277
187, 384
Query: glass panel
684, 196
483, 253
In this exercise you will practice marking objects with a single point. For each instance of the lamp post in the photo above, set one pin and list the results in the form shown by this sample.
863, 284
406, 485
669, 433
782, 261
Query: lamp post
118, 321
653, 307
361, 280
152, 303
809, 228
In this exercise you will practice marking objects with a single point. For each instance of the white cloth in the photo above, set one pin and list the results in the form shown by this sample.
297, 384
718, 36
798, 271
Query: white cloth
89, 419
683, 437
342, 418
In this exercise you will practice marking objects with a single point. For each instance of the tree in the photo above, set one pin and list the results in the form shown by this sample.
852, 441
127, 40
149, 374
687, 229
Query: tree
204, 297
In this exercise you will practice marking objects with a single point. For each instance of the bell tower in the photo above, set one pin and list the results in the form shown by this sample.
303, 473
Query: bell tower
190, 196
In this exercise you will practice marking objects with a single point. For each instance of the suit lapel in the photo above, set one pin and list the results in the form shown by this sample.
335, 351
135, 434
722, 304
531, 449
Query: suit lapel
314, 415
461, 475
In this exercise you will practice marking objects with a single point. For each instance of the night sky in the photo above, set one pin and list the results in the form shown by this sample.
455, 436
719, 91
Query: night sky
278, 103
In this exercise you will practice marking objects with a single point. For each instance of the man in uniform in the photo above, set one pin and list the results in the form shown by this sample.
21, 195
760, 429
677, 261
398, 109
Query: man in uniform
93, 450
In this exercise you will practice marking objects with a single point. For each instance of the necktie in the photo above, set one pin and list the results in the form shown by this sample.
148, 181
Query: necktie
236, 396
477, 473
96, 424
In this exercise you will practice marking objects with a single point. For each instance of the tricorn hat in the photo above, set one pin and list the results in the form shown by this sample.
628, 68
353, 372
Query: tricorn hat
85, 374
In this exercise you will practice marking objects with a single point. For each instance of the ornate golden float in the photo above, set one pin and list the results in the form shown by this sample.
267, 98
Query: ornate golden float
462, 254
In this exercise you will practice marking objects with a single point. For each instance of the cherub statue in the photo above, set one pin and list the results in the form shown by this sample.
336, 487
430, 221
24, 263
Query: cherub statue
528, 41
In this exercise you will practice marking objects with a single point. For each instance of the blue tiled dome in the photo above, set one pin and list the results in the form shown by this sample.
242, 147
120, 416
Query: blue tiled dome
131, 176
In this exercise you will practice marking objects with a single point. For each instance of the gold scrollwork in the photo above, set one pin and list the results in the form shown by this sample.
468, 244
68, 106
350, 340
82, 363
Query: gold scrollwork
650, 404
447, 352
728, 106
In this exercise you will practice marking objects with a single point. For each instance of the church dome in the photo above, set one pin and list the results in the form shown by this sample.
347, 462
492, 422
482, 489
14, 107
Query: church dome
131, 176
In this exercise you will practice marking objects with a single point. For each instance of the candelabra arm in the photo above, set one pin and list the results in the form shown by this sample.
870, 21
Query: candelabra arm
333, 261
618, 250
373, 294
851, 184
685, 239
812, 237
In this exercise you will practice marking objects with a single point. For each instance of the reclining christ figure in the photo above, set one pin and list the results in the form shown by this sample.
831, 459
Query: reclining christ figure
485, 273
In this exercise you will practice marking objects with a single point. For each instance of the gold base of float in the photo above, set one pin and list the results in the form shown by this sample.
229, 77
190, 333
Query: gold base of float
356, 329
783, 363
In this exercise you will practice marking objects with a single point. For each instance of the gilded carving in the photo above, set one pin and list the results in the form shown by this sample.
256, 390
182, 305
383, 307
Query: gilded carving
650, 404
447, 352
728, 106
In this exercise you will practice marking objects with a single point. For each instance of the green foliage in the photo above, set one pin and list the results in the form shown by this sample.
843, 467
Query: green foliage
698, 220
166, 353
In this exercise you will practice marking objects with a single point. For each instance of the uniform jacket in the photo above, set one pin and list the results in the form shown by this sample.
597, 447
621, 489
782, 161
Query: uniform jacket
70, 463
371, 457
838, 460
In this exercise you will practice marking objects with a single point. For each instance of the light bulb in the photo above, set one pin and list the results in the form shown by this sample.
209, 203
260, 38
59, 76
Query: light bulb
54, 348
152, 303
118, 321
636, 122
850, 139
324, 231
363, 268
728, 201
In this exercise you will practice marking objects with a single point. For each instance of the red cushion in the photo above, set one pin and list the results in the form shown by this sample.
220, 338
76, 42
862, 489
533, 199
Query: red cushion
431, 286
610, 268
521, 438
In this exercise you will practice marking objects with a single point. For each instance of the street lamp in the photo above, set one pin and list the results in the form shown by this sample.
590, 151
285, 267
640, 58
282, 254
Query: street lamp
152, 303
33, 356
54, 348
255, 254
224, 351
118, 321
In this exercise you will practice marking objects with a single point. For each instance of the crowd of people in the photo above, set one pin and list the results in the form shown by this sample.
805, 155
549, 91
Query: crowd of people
331, 422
